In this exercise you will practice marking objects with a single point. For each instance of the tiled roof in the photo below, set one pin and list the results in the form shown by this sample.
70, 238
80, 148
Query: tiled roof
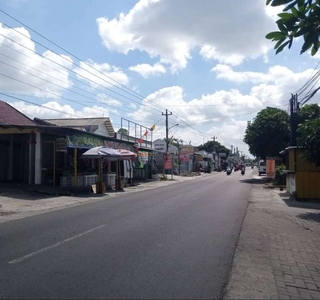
10, 116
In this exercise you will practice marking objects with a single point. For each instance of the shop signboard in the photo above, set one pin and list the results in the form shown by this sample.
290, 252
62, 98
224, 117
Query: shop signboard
187, 149
271, 167
84, 141
167, 161
160, 145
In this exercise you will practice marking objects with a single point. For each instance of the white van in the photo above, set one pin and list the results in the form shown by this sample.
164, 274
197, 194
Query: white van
262, 168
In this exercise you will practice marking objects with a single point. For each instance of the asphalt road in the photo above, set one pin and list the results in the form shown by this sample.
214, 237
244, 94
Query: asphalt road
171, 242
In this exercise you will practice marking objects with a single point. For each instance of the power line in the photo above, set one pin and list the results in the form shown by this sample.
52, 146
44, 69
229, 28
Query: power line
136, 94
41, 105
86, 78
90, 98
141, 97
50, 108
69, 54
91, 80
55, 94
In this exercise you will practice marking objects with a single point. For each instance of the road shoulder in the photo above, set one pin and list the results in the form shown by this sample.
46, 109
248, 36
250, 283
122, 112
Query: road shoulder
278, 252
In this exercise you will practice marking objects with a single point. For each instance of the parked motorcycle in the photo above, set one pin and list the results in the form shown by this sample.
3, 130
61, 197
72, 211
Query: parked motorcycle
207, 169
242, 172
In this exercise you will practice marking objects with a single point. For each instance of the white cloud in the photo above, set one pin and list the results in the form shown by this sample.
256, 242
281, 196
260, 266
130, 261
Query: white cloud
146, 70
100, 75
222, 30
273, 87
217, 107
103, 98
231, 133
273, 12
16, 60
226, 72
54, 109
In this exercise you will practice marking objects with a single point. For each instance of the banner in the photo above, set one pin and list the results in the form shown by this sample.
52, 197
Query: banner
271, 167
84, 141
167, 161
187, 149
143, 157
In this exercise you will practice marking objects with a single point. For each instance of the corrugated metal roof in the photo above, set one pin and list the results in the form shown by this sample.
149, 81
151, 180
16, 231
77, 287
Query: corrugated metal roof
72, 122
81, 122
10, 116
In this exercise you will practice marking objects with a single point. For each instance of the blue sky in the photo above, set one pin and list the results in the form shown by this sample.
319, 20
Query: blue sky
201, 61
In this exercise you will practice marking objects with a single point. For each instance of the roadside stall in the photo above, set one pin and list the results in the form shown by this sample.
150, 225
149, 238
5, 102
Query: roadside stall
111, 155
102, 154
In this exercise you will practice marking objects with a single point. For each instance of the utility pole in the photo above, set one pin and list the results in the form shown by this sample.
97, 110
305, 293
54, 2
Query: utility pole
214, 138
294, 110
167, 114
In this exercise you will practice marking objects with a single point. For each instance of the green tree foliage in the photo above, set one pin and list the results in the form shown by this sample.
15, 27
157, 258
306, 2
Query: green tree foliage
309, 112
309, 132
123, 131
309, 138
174, 141
268, 133
299, 18
212, 146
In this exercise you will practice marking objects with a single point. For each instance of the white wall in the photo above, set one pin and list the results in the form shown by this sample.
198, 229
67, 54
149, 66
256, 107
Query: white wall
102, 130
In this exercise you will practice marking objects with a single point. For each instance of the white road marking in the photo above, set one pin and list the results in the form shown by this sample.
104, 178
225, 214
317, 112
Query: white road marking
55, 245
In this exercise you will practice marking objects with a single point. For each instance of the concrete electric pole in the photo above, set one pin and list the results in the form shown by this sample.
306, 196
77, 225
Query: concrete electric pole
167, 114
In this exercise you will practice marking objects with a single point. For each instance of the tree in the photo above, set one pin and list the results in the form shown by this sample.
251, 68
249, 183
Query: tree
309, 138
211, 146
123, 131
268, 133
299, 18
309, 132
309, 112
174, 141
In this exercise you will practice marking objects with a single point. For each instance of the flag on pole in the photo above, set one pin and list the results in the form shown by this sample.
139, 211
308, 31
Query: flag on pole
146, 133
153, 127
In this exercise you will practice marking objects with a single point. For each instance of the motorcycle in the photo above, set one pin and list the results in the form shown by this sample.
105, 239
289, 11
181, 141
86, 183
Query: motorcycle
207, 169
228, 171
242, 172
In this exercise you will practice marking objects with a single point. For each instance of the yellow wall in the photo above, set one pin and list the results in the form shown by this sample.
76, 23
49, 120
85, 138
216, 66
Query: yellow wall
301, 165
291, 160
307, 176
308, 185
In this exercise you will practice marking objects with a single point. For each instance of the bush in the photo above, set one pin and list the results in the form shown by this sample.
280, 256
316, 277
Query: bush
280, 175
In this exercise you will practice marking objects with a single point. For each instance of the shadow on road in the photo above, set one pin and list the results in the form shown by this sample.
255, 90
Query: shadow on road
292, 202
254, 180
38, 192
315, 217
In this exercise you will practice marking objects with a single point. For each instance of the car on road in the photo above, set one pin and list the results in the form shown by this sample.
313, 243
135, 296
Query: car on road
262, 168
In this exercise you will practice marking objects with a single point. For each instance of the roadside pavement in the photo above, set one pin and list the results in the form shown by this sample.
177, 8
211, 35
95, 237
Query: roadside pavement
278, 252
18, 204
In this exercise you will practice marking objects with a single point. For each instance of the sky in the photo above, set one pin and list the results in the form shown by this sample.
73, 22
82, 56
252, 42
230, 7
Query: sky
207, 62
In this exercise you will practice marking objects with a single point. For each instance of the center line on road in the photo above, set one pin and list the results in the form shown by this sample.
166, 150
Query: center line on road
55, 245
